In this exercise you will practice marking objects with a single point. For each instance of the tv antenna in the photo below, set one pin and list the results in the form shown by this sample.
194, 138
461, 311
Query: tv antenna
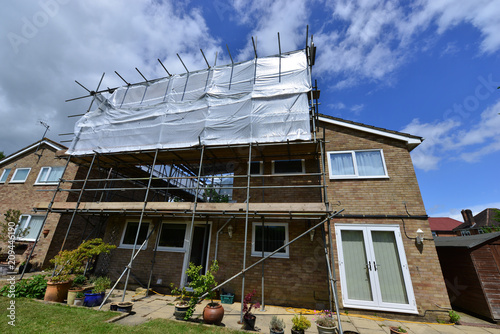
46, 126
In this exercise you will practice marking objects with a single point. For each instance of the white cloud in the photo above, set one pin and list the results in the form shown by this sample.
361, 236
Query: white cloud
48, 44
267, 18
371, 39
447, 140
455, 213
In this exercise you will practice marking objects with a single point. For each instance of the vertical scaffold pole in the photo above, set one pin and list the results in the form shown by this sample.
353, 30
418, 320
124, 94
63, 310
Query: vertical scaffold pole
187, 254
246, 230
139, 226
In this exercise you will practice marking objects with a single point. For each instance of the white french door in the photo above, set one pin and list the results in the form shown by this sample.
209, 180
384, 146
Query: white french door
373, 269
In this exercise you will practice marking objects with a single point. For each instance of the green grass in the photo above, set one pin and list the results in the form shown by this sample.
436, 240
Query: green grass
36, 317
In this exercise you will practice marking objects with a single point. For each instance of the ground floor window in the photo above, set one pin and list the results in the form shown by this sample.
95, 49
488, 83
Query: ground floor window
172, 237
130, 231
268, 238
29, 227
373, 268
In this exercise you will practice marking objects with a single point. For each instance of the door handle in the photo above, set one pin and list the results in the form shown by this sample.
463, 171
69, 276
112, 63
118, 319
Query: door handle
374, 266
369, 266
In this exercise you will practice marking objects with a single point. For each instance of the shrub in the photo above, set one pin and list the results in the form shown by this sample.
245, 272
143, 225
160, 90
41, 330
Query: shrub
300, 322
33, 287
454, 317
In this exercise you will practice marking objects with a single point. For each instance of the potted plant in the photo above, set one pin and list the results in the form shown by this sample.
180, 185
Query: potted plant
79, 299
182, 304
300, 324
70, 262
398, 329
325, 322
76, 287
276, 325
203, 285
97, 295
248, 317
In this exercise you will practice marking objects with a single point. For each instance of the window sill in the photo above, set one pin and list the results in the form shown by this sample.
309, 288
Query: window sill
358, 177
132, 246
275, 256
46, 184
170, 249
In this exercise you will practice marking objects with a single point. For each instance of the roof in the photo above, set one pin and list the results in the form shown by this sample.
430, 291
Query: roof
44, 141
483, 218
443, 223
469, 241
411, 140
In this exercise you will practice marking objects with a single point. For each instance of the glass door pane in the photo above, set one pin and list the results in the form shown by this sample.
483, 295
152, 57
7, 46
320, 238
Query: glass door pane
355, 264
388, 267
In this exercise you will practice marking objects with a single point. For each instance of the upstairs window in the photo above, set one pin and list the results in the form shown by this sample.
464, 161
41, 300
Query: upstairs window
271, 238
49, 175
5, 175
256, 168
296, 166
357, 164
20, 175
130, 231
29, 227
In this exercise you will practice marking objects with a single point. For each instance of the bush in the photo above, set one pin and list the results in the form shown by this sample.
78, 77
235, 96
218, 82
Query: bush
454, 317
33, 287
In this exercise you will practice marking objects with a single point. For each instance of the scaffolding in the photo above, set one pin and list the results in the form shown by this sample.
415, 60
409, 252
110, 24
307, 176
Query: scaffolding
184, 182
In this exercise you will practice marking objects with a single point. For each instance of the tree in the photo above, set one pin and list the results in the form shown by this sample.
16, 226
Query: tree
2, 155
9, 225
497, 216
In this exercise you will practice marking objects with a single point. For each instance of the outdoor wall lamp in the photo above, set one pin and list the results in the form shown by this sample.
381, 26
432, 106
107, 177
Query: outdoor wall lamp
420, 237
311, 234
230, 231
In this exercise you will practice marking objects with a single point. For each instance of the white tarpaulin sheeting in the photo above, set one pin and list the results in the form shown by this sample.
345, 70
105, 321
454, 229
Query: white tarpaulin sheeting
258, 101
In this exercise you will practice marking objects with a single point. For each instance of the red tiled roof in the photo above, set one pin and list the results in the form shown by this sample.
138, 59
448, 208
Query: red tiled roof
443, 223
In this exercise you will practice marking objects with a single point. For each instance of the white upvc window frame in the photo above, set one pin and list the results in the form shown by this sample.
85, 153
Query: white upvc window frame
303, 164
45, 182
131, 246
184, 247
5, 174
411, 307
12, 179
24, 226
284, 255
261, 167
355, 164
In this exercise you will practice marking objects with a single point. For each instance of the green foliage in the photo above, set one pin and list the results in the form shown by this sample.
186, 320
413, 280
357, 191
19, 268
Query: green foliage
211, 195
200, 284
325, 318
300, 322
11, 216
276, 324
101, 283
183, 295
80, 294
454, 317
497, 215
490, 229
73, 261
79, 281
2, 155
33, 287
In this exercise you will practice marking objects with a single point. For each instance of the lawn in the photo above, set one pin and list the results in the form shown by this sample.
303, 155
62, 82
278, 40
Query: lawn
32, 316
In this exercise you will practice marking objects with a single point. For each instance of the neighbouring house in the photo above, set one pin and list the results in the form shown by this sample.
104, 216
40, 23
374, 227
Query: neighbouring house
240, 167
27, 176
443, 226
471, 268
480, 223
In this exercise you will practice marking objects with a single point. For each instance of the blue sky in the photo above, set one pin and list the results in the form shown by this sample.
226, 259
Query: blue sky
427, 67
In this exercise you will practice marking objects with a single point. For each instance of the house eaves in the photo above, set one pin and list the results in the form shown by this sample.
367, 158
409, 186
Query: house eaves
411, 141
45, 141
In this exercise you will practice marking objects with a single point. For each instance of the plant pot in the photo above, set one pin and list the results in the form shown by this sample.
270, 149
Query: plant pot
213, 313
124, 307
394, 330
113, 306
93, 299
72, 295
249, 323
273, 331
57, 291
180, 311
78, 301
326, 330
297, 331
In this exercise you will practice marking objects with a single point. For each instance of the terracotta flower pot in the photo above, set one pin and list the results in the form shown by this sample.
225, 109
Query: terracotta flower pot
57, 291
213, 313
394, 330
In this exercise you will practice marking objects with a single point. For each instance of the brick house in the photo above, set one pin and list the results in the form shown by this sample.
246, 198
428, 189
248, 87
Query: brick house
262, 176
30, 175
443, 226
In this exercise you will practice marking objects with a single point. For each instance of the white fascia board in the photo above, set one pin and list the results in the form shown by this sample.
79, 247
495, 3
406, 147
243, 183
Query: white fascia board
412, 142
7, 159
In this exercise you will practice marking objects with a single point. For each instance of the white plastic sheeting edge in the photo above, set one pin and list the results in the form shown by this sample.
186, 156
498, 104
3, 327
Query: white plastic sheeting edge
258, 101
